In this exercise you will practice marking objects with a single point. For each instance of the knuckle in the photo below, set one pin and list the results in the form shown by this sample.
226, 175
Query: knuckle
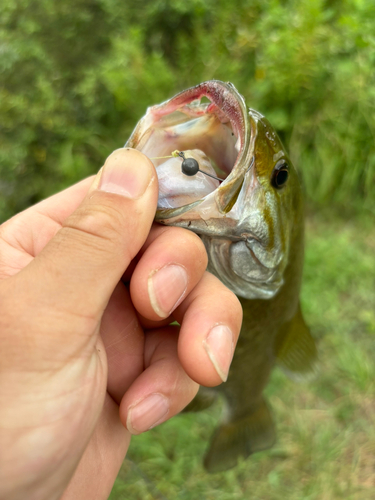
233, 308
5, 228
234, 300
198, 243
100, 225
100, 221
191, 244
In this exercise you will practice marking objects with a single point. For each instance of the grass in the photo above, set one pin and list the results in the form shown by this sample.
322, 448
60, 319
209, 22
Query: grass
326, 432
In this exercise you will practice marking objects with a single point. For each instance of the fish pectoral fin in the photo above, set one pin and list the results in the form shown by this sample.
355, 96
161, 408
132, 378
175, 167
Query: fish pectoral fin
203, 400
240, 438
296, 352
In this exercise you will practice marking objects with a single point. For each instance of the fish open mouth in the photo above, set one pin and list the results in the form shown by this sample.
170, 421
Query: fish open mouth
209, 124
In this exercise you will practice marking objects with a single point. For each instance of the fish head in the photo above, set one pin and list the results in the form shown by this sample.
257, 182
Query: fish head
250, 216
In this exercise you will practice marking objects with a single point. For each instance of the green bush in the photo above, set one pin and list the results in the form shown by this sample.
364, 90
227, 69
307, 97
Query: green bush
77, 75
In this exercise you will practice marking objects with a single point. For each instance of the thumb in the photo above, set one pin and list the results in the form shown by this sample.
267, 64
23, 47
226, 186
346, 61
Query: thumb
81, 265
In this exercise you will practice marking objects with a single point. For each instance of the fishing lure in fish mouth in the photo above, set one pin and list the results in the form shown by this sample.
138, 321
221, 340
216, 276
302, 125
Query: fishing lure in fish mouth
230, 180
189, 166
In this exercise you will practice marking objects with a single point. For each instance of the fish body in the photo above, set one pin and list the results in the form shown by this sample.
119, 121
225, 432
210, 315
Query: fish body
252, 226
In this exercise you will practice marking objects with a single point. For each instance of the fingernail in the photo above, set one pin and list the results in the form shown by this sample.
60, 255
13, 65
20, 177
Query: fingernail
219, 346
147, 413
126, 172
166, 288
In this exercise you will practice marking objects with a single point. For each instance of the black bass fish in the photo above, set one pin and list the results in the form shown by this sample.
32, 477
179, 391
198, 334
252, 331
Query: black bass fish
242, 196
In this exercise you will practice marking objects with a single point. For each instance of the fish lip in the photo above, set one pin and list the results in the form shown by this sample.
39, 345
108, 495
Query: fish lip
247, 237
255, 258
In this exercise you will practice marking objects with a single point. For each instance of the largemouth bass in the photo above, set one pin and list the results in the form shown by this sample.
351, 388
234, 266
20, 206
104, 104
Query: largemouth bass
244, 199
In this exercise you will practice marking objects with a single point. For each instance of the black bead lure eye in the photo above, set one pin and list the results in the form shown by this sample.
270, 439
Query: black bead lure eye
280, 174
190, 167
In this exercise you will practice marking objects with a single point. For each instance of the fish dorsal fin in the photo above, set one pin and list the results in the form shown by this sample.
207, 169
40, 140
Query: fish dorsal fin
295, 349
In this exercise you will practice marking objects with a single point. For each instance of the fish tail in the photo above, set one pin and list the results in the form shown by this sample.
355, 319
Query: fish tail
240, 438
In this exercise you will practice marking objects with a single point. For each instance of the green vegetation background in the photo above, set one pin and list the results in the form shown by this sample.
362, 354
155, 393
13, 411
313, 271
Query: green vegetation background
75, 77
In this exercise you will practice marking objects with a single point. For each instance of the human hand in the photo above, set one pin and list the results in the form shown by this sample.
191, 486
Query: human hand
86, 360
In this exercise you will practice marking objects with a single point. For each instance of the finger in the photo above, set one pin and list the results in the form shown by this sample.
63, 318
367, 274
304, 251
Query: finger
172, 263
97, 242
210, 319
123, 339
59, 206
162, 390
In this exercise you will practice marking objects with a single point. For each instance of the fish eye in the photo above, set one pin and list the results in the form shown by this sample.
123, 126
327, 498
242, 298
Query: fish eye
280, 174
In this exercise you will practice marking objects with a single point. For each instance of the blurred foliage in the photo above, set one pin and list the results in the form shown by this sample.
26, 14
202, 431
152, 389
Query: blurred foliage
75, 77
